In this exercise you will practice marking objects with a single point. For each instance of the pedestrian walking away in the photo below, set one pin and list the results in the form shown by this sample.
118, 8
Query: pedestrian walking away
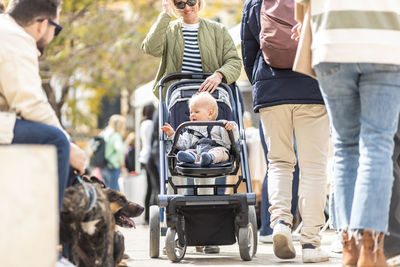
290, 106
357, 62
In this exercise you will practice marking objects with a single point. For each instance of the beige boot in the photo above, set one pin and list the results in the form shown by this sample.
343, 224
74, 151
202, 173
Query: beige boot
371, 249
350, 251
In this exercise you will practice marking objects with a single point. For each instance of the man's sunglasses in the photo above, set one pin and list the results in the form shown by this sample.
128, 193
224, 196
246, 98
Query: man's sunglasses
57, 29
181, 5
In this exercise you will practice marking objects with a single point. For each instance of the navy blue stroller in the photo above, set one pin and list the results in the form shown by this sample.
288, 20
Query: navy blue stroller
193, 219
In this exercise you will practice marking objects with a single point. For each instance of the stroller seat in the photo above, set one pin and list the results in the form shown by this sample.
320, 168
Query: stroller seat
178, 95
195, 170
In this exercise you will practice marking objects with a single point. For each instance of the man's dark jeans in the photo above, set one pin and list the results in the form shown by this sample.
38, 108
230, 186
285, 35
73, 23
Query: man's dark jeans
28, 132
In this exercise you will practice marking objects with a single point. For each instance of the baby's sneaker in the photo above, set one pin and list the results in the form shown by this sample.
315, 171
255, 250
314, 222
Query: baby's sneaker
187, 157
205, 159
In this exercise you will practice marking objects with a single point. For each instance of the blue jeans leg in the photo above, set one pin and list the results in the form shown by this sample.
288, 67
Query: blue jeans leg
363, 103
29, 132
110, 177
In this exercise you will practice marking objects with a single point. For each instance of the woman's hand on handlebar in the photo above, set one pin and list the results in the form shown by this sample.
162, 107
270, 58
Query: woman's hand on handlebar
211, 83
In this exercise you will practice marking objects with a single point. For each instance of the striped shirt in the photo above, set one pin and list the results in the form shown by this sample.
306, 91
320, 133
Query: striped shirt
191, 54
356, 31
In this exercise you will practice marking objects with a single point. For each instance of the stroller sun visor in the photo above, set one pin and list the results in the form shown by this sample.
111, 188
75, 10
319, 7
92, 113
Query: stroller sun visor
184, 93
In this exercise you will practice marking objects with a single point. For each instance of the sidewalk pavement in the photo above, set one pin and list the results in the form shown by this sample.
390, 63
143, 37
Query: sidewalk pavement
137, 247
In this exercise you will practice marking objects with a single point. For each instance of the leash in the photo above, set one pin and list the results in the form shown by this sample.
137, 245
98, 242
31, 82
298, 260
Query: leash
92, 195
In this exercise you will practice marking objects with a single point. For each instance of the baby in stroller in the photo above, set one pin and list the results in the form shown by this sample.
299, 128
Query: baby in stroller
203, 144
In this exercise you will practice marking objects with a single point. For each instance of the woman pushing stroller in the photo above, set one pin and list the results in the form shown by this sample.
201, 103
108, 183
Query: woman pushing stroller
192, 44
203, 144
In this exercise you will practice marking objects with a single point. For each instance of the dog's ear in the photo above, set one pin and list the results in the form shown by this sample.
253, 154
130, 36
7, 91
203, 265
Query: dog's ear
114, 196
96, 180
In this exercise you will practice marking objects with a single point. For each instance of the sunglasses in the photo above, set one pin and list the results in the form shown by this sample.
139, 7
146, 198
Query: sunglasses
181, 5
57, 29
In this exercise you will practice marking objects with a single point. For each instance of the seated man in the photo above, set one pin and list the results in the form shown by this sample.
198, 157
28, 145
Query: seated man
26, 116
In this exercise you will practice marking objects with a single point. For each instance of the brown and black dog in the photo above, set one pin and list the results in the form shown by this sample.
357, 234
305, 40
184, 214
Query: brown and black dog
89, 217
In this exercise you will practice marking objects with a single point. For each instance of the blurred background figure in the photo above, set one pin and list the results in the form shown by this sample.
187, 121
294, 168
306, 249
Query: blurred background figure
146, 130
153, 164
130, 152
115, 151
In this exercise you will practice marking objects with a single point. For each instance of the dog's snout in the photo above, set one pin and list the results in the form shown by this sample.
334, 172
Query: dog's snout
140, 209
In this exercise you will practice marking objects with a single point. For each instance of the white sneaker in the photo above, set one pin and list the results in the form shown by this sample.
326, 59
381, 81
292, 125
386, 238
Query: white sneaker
295, 237
268, 238
336, 246
282, 241
314, 255
394, 261
62, 262
265, 239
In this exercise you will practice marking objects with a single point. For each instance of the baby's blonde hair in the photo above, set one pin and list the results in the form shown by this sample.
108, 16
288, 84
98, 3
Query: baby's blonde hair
206, 99
175, 11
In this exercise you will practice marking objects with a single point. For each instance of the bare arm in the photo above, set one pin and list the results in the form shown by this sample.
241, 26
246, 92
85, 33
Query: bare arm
77, 158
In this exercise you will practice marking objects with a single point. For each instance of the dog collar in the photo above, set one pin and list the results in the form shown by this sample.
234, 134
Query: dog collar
92, 195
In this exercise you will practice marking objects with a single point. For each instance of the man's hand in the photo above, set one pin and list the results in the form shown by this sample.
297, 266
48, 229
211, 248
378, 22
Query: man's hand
77, 158
211, 83
296, 30
168, 130
229, 125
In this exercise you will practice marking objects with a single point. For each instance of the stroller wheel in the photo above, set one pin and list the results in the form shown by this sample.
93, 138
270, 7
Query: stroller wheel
154, 223
175, 252
246, 242
253, 221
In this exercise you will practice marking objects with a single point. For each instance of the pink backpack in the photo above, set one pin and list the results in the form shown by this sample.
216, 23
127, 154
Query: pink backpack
277, 20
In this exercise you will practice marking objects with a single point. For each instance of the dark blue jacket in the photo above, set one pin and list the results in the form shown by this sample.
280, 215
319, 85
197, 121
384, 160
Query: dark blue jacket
271, 86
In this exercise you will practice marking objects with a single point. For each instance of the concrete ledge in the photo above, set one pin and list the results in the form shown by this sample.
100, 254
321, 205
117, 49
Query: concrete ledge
28, 206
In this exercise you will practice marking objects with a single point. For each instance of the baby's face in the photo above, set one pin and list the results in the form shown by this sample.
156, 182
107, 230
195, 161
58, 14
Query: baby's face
201, 113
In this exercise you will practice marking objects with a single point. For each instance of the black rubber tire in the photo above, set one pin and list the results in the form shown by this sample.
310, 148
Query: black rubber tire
154, 224
246, 242
174, 252
253, 221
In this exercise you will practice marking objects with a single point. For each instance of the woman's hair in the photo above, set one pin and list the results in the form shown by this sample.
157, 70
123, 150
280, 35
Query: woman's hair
175, 11
25, 11
148, 111
118, 123
205, 99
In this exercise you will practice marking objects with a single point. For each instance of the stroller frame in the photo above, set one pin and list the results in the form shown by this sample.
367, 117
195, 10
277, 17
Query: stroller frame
238, 219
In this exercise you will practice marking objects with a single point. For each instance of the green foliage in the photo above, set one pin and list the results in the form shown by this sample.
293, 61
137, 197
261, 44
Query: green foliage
98, 52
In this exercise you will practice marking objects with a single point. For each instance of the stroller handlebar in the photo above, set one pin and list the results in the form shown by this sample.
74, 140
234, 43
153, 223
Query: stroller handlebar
178, 76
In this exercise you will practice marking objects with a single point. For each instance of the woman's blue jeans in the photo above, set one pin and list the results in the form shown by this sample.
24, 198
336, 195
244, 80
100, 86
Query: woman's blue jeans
29, 132
363, 103
110, 177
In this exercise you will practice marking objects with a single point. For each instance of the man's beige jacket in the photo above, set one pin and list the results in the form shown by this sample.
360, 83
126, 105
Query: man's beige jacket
21, 93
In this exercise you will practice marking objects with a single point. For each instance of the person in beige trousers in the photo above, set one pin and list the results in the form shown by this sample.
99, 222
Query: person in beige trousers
291, 110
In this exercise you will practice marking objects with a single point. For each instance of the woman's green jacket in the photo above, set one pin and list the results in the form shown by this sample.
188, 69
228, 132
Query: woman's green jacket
217, 50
